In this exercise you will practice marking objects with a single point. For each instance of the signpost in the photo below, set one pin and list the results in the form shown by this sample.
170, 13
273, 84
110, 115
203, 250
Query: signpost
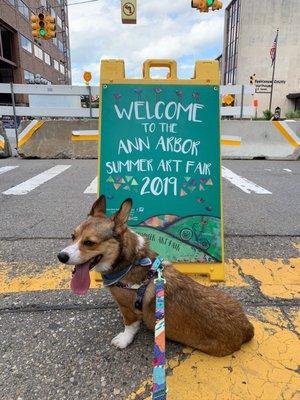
87, 77
160, 145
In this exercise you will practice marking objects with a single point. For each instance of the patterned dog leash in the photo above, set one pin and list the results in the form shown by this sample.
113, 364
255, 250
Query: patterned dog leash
159, 389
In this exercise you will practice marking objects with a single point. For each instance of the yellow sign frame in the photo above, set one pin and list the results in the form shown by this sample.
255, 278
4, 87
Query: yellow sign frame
205, 73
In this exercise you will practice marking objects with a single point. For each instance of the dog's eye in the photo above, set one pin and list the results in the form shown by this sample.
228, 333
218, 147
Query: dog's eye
73, 236
88, 243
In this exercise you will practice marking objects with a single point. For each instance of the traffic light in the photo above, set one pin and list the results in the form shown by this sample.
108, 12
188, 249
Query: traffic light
252, 79
43, 26
204, 5
50, 27
41, 23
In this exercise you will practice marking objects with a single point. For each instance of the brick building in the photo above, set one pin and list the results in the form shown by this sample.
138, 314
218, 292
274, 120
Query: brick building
22, 56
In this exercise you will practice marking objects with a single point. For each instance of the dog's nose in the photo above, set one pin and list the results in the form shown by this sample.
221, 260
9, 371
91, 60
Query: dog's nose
63, 257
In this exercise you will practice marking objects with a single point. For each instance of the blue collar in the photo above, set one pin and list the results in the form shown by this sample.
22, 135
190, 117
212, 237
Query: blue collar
111, 278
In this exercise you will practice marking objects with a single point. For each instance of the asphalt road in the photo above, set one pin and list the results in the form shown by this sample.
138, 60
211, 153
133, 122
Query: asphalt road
57, 346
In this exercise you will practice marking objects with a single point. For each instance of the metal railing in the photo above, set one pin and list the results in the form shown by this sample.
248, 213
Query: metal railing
241, 111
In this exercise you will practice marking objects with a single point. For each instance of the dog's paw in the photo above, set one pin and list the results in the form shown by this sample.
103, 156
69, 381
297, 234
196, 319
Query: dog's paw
122, 340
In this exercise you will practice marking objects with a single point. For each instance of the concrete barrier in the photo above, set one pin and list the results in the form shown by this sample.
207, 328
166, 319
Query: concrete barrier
53, 139
271, 140
5, 149
240, 139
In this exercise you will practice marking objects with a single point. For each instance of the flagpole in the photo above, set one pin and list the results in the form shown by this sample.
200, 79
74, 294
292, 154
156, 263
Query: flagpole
274, 63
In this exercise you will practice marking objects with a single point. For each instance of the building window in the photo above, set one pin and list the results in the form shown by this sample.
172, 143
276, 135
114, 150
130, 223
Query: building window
29, 77
60, 46
55, 41
56, 65
52, 13
26, 44
44, 3
58, 21
47, 58
62, 69
12, 2
6, 48
23, 9
38, 52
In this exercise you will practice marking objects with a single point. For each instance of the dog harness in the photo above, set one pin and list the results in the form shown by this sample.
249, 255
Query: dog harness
159, 389
114, 278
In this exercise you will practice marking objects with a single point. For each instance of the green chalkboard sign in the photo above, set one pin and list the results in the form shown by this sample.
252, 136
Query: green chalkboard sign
160, 145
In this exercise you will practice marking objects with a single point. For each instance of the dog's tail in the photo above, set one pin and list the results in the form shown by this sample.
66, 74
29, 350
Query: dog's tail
249, 332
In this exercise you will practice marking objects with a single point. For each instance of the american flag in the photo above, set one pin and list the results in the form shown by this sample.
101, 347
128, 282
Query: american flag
273, 50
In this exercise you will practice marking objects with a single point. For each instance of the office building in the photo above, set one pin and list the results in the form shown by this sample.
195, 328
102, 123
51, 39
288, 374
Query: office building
249, 33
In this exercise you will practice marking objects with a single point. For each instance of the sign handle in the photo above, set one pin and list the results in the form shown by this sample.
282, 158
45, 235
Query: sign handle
171, 64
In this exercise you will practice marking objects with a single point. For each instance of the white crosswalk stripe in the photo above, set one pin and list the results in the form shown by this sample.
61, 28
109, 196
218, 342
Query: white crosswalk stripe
92, 188
242, 183
27, 186
34, 182
7, 168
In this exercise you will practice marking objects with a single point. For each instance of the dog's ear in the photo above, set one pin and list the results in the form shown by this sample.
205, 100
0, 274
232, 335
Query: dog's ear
121, 216
99, 207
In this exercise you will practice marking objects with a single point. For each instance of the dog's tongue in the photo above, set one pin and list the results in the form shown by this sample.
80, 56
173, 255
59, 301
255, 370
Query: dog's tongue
81, 281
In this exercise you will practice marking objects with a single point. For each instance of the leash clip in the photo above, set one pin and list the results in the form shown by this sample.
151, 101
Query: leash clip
160, 276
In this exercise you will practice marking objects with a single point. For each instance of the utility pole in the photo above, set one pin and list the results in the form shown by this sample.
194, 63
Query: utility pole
273, 53
64, 40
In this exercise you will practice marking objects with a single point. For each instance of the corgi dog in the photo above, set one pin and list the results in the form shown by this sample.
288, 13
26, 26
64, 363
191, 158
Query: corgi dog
198, 316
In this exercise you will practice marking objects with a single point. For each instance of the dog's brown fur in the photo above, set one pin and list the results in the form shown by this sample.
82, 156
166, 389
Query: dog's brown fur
202, 317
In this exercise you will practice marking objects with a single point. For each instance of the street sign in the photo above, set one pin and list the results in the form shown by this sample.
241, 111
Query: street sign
160, 145
87, 76
228, 99
128, 11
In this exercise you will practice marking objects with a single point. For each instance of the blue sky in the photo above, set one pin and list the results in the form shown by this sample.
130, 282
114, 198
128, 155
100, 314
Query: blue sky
165, 29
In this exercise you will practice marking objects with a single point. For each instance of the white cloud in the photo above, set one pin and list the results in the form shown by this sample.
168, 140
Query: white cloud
165, 29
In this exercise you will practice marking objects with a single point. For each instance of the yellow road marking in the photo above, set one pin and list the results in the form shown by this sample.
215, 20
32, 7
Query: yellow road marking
276, 278
58, 277
53, 278
297, 246
265, 368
